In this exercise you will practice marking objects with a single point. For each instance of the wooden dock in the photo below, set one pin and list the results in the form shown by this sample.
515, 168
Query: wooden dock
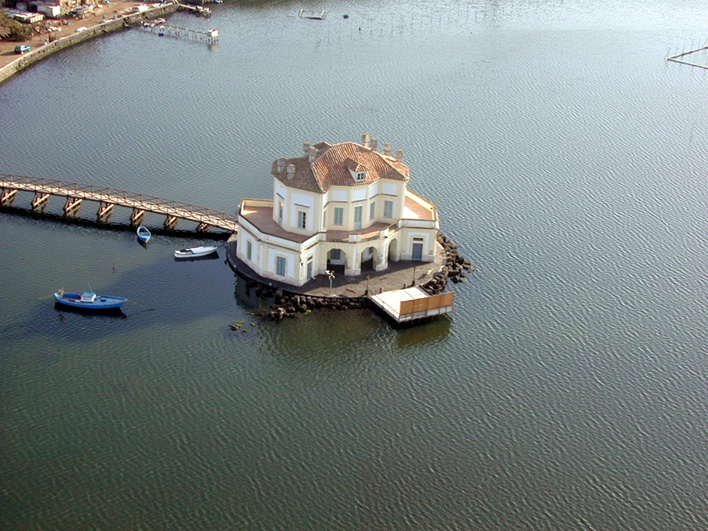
194, 9
412, 304
107, 198
160, 28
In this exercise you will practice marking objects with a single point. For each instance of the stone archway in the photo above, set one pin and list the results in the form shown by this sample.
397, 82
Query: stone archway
369, 259
393, 252
336, 260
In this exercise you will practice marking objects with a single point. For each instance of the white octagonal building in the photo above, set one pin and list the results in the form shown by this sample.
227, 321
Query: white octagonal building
336, 206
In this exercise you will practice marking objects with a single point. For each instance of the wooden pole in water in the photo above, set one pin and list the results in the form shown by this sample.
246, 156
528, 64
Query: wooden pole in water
7, 198
40, 201
72, 206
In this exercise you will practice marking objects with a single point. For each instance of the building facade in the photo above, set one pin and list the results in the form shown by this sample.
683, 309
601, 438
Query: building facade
338, 207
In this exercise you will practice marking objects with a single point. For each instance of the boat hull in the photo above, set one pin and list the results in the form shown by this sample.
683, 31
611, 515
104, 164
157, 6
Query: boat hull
144, 234
100, 302
196, 252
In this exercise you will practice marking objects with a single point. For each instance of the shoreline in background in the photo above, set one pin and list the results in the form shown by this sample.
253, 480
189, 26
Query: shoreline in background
105, 19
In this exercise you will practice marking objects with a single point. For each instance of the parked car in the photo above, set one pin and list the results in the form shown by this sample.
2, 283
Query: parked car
22, 48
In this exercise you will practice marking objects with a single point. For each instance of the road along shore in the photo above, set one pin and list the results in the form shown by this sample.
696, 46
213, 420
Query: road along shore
11, 63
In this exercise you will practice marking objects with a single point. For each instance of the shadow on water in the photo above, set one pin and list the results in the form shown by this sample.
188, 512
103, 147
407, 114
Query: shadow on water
164, 294
112, 313
61, 219
212, 256
251, 297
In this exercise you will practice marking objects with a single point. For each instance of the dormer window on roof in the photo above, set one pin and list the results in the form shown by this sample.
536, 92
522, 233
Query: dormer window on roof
356, 170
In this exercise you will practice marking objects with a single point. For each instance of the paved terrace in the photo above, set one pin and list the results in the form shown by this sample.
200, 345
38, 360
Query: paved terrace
398, 275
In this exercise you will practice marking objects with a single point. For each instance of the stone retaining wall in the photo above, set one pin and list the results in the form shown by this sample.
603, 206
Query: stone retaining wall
40, 52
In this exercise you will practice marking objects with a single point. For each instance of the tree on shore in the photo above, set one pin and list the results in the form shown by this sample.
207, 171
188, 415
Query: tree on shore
12, 30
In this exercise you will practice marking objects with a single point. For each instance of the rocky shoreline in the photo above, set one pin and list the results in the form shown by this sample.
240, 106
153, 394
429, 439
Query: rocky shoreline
456, 268
288, 304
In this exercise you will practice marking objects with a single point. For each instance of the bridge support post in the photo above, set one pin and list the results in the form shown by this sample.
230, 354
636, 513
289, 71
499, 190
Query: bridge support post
40, 201
202, 227
171, 222
137, 216
104, 212
72, 206
8, 196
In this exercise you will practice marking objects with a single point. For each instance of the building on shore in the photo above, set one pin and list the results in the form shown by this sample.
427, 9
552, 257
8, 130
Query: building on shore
340, 207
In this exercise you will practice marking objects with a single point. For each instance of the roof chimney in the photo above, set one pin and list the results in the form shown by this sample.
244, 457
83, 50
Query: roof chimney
291, 171
281, 165
365, 139
306, 147
387, 148
312, 154
399, 155
374, 144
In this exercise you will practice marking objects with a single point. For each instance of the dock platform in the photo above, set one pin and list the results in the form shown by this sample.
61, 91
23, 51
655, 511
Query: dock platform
412, 304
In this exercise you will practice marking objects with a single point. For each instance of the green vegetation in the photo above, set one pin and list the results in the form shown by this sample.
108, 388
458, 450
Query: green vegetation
12, 30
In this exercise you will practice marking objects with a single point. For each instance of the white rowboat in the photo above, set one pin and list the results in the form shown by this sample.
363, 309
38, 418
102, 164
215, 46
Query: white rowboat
195, 252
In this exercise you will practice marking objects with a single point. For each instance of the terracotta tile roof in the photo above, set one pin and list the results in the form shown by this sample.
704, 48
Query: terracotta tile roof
333, 164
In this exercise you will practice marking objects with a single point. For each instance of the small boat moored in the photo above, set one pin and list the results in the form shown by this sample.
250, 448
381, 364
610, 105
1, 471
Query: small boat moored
313, 15
144, 234
196, 252
89, 300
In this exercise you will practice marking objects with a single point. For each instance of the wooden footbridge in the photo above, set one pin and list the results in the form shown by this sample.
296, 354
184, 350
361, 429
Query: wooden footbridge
107, 198
162, 29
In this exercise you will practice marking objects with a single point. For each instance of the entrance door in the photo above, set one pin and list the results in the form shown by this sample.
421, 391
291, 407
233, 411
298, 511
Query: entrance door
357, 217
309, 269
417, 251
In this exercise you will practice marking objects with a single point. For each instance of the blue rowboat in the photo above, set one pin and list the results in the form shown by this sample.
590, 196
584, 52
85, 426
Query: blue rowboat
144, 234
89, 300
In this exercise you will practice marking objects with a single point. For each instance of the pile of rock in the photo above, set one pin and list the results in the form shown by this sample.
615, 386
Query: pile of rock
285, 305
456, 268
288, 305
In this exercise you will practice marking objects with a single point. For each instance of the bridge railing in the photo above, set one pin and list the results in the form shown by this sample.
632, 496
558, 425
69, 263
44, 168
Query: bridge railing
122, 197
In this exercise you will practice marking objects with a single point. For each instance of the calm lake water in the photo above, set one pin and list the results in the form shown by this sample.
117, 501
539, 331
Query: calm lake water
569, 388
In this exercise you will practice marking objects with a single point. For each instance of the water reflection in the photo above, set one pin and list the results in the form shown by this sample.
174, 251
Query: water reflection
251, 295
425, 333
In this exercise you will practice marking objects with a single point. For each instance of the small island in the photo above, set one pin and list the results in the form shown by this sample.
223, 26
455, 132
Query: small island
341, 229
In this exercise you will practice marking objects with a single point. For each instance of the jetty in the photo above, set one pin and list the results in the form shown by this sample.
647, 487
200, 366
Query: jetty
412, 304
107, 198
160, 28
194, 9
